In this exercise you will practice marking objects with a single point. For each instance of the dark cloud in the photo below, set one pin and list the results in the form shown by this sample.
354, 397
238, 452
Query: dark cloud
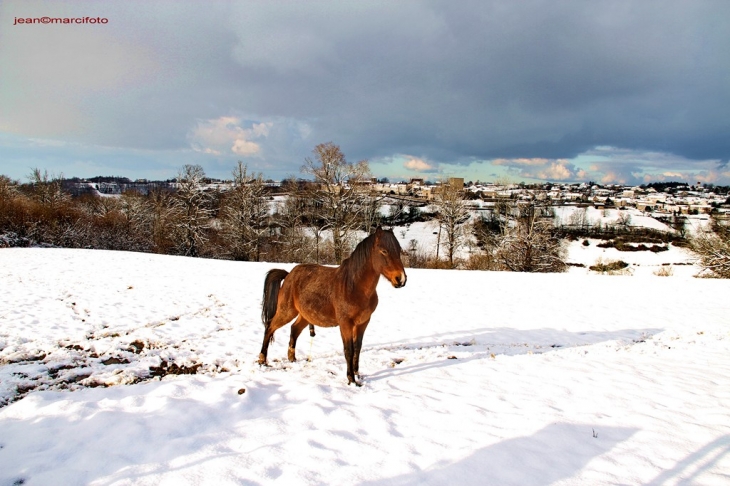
529, 80
448, 82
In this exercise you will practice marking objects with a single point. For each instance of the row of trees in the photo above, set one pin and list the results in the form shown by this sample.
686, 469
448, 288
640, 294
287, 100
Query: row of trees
318, 221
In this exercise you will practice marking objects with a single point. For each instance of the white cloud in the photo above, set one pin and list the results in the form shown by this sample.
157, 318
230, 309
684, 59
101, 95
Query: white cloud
557, 171
544, 169
244, 147
225, 135
417, 164
261, 129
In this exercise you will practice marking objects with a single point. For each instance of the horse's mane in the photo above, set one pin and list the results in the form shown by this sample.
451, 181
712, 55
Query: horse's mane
357, 262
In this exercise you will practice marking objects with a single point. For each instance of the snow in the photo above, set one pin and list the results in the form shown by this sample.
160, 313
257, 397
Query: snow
606, 217
680, 260
469, 378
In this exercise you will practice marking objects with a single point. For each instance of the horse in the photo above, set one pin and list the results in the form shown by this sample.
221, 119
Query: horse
341, 296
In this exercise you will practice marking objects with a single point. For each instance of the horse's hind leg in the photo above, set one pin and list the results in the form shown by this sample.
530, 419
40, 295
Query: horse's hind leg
296, 330
283, 316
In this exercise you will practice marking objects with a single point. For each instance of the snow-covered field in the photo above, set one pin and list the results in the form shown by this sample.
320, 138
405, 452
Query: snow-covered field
425, 235
469, 378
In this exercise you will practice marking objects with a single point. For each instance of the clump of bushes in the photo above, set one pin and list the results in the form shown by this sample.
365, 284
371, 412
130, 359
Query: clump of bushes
611, 267
664, 271
621, 245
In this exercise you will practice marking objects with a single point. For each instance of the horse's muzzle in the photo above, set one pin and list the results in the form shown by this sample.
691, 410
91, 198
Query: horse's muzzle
400, 281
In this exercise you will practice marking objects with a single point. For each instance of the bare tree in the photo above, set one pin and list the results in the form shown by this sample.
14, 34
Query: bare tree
452, 214
47, 190
713, 248
8, 188
244, 215
624, 219
528, 245
99, 206
679, 224
295, 245
192, 211
161, 211
487, 230
339, 193
579, 219
137, 211
371, 216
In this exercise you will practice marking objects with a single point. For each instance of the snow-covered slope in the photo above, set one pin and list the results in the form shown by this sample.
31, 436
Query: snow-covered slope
470, 378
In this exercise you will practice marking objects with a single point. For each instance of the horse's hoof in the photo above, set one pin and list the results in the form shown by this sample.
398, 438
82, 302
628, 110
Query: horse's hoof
262, 360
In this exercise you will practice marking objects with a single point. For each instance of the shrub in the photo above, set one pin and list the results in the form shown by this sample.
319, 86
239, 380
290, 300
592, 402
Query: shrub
480, 261
610, 267
664, 271
622, 245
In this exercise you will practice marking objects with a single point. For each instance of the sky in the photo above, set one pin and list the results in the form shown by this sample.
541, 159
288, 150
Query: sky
613, 92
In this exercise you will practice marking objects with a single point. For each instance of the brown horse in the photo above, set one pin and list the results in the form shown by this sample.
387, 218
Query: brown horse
327, 296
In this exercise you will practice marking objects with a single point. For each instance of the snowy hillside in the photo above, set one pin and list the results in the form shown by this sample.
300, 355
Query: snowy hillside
125, 368
425, 237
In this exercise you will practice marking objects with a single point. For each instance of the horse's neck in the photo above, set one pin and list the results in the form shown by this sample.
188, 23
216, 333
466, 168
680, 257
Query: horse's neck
369, 281
365, 280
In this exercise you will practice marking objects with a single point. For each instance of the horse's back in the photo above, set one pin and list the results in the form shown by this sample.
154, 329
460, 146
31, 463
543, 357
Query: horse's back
312, 280
311, 274
314, 290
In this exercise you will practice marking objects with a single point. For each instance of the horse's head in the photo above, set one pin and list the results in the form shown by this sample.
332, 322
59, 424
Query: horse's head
386, 257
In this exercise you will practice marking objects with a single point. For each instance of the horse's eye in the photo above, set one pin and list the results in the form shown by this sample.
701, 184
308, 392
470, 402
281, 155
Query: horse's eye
384, 252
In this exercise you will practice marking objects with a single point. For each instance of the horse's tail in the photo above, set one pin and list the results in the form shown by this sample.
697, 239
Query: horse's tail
272, 284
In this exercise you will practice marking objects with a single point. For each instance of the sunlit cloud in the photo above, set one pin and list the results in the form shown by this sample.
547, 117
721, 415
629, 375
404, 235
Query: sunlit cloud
225, 135
544, 169
245, 148
611, 177
418, 165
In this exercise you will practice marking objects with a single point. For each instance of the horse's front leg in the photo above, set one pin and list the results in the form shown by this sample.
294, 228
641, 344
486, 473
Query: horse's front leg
347, 331
359, 333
